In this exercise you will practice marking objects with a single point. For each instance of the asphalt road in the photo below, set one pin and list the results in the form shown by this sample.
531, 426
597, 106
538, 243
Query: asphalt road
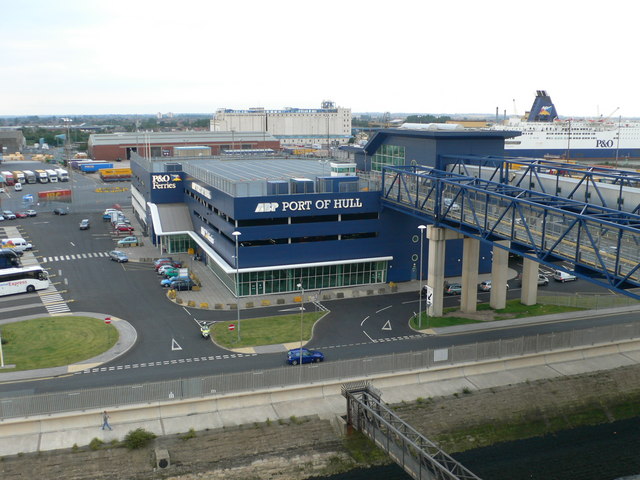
354, 328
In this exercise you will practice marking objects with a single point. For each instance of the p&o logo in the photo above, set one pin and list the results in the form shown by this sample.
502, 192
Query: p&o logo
164, 181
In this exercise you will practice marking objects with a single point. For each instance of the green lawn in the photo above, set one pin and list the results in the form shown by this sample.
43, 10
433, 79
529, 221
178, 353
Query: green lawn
54, 341
265, 330
514, 309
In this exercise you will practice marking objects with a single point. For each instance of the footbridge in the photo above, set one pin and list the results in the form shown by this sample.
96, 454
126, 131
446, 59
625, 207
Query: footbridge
545, 211
415, 453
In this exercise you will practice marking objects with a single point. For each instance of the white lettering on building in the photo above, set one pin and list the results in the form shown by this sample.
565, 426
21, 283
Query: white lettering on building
201, 190
307, 205
164, 181
206, 235
266, 207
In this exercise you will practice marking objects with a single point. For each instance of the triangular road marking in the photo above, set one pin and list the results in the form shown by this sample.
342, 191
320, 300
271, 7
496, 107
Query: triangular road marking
387, 326
174, 345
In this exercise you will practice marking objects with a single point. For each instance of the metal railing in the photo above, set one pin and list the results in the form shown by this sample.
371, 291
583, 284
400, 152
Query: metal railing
338, 371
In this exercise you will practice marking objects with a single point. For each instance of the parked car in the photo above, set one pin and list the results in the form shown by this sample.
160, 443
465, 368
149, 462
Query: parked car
1, 218
164, 268
161, 260
21, 215
308, 356
453, 289
123, 227
84, 224
451, 205
8, 215
128, 242
167, 262
561, 276
118, 256
486, 286
172, 272
60, 211
166, 282
543, 280
31, 213
187, 284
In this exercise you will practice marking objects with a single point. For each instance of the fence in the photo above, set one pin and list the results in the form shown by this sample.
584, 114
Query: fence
589, 301
339, 371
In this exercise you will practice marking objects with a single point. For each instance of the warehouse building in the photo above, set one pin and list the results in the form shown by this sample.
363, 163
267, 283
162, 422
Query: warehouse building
120, 146
278, 222
11, 141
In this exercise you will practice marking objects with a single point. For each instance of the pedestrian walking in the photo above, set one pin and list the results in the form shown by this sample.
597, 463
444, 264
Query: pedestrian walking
105, 421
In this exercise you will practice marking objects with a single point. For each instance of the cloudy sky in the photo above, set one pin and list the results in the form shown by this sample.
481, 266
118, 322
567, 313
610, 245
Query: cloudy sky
95, 57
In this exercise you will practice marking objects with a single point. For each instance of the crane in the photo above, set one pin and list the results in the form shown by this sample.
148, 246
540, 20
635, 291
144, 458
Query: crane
610, 115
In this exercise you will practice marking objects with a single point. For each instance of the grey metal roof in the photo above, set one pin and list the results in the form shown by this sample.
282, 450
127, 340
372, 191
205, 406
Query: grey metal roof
153, 138
255, 169
174, 217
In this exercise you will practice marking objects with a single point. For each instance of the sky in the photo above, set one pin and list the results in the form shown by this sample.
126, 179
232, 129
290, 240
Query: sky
76, 57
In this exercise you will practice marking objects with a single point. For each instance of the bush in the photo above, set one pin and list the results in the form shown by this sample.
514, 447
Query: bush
95, 444
138, 438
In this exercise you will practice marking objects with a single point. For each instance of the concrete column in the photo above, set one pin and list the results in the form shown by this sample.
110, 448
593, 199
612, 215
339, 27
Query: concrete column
470, 263
499, 273
529, 292
435, 272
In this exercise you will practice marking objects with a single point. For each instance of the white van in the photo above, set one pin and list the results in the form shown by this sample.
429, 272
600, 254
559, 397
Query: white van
19, 244
561, 276
18, 187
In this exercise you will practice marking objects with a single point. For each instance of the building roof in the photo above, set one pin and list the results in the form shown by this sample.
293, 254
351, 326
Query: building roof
379, 136
153, 138
254, 169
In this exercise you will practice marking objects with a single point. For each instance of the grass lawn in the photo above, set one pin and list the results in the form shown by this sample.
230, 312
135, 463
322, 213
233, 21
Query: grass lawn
265, 331
514, 309
54, 341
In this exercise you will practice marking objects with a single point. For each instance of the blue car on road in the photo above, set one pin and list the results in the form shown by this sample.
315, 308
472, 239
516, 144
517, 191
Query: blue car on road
308, 356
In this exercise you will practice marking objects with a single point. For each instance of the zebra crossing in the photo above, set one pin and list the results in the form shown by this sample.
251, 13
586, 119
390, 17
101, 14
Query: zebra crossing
75, 256
53, 301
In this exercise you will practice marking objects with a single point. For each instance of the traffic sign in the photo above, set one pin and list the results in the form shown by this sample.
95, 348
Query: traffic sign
232, 326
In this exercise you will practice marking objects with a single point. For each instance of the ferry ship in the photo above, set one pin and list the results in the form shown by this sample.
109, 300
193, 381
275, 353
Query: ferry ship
544, 134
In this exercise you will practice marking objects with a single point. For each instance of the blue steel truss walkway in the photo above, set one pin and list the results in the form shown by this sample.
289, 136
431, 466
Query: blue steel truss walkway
485, 199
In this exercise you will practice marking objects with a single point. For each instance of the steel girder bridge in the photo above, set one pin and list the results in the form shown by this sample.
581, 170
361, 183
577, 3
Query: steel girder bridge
411, 450
497, 198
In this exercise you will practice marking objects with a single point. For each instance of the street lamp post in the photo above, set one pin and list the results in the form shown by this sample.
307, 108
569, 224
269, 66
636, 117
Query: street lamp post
236, 234
422, 229
301, 317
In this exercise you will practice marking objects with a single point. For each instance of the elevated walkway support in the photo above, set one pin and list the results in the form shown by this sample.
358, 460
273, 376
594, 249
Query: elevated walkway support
411, 450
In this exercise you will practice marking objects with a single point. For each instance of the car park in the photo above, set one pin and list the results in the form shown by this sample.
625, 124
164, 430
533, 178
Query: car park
308, 356
84, 224
453, 289
128, 242
32, 213
60, 211
8, 215
118, 256
560, 276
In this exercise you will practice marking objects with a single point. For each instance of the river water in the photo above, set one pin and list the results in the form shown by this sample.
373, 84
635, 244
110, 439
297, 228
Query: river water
602, 452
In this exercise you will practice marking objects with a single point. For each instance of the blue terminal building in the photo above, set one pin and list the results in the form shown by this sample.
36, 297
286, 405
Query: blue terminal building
280, 222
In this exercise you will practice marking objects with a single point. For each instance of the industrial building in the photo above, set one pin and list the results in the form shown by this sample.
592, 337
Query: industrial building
325, 126
119, 146
11, 141
276, 223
